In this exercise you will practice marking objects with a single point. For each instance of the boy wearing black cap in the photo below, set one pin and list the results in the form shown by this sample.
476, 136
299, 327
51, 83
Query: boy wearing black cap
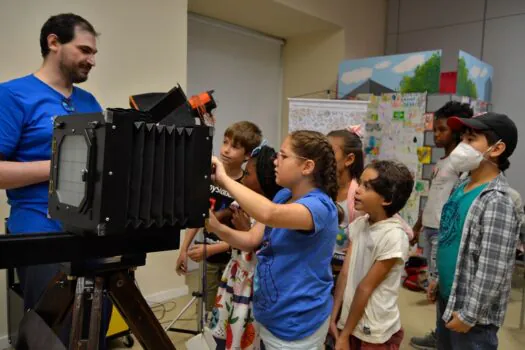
477, 237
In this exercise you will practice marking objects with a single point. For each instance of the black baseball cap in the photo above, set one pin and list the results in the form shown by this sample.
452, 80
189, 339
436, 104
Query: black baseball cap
500, 124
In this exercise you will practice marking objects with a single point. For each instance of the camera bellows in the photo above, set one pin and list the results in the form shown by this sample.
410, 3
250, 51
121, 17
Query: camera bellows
154, 198
117, 172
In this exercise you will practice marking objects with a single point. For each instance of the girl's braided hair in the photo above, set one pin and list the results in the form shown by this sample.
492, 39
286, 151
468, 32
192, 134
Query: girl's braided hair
315, 146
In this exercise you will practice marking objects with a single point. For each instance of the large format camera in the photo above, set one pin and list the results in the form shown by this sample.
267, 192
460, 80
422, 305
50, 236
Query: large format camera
124, 170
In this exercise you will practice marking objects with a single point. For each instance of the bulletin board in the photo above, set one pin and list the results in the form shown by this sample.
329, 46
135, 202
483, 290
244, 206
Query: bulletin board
325, 115
394, 125
395, 130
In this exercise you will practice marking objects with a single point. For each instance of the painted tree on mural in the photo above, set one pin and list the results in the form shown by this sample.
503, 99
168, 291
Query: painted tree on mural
465, 86
426, 77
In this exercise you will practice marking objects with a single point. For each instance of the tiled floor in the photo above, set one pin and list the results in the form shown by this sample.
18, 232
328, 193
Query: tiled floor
418, 317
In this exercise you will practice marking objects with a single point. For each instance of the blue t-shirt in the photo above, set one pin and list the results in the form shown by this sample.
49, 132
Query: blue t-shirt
27, 108
453, 218
293, 278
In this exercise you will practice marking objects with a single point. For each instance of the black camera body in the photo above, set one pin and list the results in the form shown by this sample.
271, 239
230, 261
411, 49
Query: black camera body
121, 171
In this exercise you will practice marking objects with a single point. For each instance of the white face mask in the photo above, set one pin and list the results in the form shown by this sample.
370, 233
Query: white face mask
466, 158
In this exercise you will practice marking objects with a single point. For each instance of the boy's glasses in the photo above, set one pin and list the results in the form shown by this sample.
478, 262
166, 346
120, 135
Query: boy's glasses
68, 105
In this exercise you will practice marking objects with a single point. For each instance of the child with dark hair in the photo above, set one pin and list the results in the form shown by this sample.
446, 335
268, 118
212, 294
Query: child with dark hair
349, 156
240, 139
296, 234
478, 236
232, 322
368, 286
444, 177
348, 150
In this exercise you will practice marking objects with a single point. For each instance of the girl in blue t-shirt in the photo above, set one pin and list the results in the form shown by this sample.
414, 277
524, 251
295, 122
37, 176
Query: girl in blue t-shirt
295, 237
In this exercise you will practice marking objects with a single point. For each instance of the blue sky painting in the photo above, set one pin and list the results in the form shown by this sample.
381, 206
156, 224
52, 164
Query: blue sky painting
385, 70
480, 73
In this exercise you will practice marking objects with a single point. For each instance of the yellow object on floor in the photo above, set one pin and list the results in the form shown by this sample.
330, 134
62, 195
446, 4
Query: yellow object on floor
117, 324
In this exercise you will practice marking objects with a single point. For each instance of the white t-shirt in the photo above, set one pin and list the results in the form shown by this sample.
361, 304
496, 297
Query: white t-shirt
370, 243
444, 178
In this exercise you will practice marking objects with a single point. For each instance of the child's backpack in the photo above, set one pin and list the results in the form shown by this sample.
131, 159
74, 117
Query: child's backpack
416, 270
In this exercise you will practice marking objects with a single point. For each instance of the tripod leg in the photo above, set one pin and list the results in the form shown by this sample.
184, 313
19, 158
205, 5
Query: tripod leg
202, 313
137, 313
180, 315
56, 301
78, 315
96, 314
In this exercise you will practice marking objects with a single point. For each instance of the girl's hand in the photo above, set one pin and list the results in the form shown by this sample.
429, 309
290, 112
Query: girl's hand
224, 216
342, 343
241, 220
334, 332
218, 172
212, 224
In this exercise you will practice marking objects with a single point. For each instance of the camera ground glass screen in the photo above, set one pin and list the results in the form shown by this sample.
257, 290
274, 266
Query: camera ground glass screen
72, 162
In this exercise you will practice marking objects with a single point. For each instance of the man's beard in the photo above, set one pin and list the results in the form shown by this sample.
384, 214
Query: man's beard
73, 73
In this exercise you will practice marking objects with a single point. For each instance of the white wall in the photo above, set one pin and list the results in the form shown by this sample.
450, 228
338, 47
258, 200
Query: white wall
142, 48
311, 60
245, 70
488, 29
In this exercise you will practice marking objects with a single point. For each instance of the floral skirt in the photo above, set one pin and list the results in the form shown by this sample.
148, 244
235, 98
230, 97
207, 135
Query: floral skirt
232, 318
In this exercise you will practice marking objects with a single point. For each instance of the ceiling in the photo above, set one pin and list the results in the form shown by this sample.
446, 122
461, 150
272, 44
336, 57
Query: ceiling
265, 16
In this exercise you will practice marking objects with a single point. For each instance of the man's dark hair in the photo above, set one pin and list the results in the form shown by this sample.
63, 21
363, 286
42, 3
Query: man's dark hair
394, 183
63, 26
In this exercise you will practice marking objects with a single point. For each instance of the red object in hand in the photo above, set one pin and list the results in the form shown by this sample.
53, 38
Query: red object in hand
212, 204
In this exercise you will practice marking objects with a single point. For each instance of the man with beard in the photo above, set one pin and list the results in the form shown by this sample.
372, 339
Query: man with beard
27, 108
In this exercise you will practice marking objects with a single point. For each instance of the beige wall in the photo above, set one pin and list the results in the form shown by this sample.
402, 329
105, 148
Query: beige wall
142, 48
363, 22
311, 61
310, 64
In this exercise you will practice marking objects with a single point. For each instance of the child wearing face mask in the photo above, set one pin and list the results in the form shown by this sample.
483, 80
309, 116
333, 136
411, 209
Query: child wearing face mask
444, 177
478, 235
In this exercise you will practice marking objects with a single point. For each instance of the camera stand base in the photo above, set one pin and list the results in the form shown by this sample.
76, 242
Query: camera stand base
84, 293
196, 296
